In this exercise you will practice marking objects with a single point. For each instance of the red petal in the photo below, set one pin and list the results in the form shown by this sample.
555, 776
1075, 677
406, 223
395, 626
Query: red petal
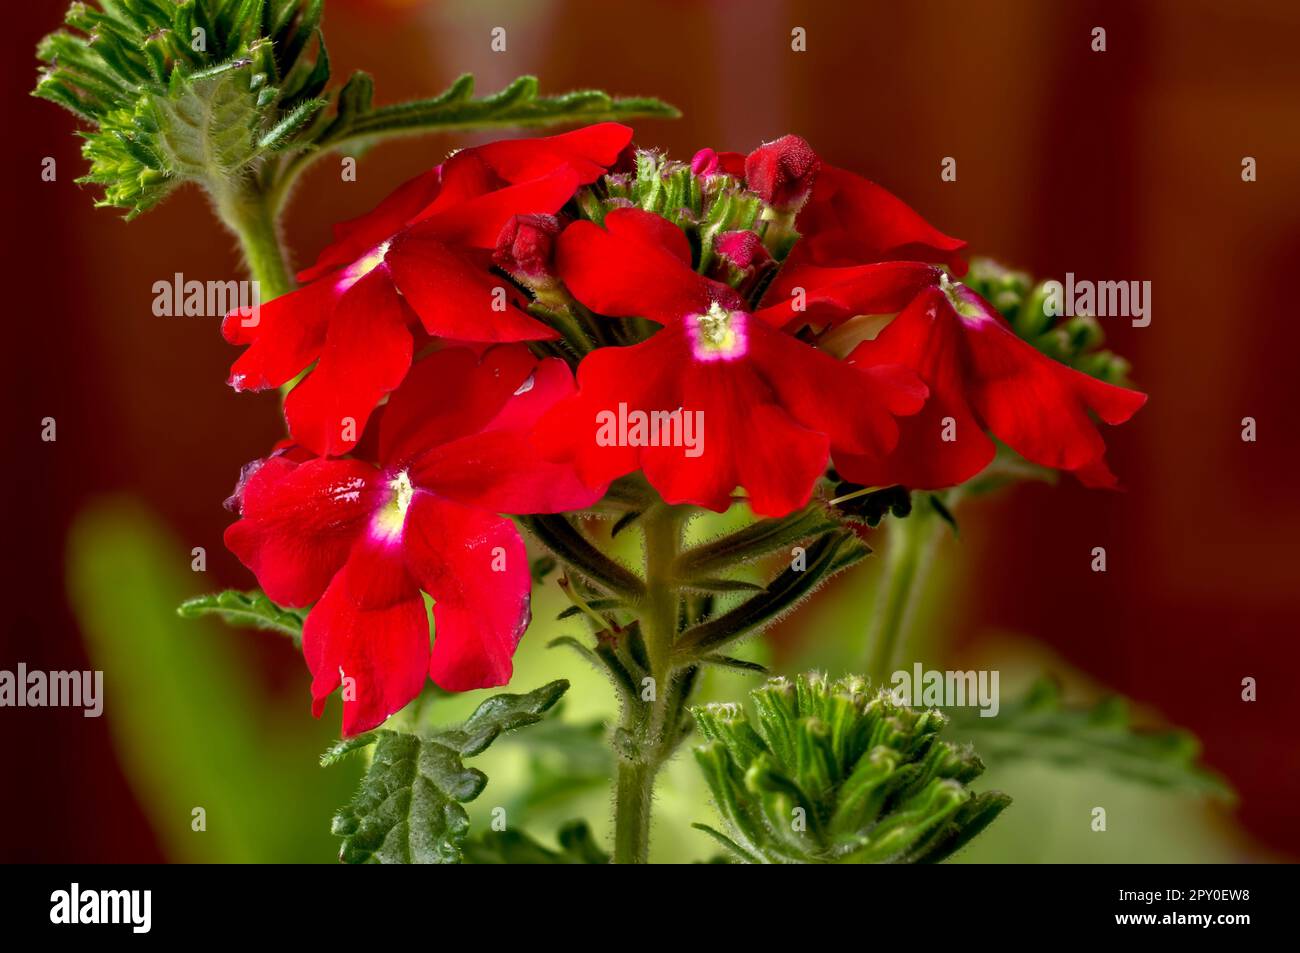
474, 565
448, 395
766, 416
455, 298
833, 295
642, 376
747, 443
288, 335
922, 459
500, 469
850, 220
354, 238
299, 523
370, 626
588, 152
583, 155
854, 410
639, 264
477, 222
986, 378
367, 353
1035, 405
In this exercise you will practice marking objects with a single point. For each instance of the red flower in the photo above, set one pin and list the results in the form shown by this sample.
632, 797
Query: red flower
421, 259
770, 405
363, 541
982, 377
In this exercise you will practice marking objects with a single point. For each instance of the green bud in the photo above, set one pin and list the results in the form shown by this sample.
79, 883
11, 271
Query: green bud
831, 773
183, 91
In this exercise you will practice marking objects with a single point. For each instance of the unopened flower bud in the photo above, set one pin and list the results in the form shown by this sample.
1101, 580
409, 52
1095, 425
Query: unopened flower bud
526, 247
705, 162
782, 172
743, 250
742, 259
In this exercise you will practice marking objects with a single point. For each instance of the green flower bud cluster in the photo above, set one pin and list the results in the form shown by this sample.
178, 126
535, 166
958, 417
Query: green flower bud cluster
1076, 341
829, 772
184, 90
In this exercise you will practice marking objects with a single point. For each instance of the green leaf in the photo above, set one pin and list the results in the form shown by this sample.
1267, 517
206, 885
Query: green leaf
409, 807
516, 105
564, 760
1040, 727
249, 610
577, 846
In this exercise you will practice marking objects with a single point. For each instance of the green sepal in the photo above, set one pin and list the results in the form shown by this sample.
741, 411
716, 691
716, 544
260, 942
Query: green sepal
825, 557
570, 546
758, 539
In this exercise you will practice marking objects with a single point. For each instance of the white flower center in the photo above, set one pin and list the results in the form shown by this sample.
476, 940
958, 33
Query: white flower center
391, 517
363, 266
718, 334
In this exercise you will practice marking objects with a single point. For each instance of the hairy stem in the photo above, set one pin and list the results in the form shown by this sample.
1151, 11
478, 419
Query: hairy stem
910, 552
248, 214
646, 723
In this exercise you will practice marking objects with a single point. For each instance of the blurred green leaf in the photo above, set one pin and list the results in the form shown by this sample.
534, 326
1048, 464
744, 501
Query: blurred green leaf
1040, 727
564, 761
577, 846
191, 725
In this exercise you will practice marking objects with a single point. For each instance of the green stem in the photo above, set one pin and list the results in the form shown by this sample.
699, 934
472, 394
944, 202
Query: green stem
648, 727
911, 546
634, 789
248, 213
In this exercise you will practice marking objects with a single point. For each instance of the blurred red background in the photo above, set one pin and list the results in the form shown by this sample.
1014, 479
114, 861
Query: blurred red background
1117, 165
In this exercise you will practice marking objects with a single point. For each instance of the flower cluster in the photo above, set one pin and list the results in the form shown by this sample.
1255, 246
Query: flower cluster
460, 352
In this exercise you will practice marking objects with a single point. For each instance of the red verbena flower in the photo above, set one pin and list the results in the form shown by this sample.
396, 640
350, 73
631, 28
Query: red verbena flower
420, 260
982, 377
362, 541
770, 406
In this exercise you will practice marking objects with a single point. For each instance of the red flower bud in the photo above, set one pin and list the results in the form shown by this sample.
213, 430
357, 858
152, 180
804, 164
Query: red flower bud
742, 249
526, 246
705, 162
782, 172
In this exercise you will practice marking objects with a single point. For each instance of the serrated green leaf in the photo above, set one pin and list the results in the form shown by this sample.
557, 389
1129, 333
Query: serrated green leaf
518, 104
251, 610
501, 713
1040, 727
408, 809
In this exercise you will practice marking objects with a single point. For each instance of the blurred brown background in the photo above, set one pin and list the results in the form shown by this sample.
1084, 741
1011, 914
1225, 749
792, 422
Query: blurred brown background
1117, 165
